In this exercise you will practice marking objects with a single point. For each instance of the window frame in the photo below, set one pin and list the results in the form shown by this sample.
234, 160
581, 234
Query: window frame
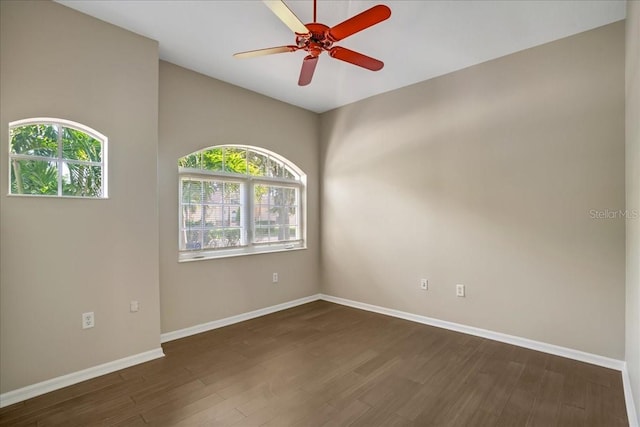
59, 159
248, 205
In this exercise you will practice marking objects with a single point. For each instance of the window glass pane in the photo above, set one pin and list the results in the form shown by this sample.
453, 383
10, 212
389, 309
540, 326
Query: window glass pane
191, 216
261, 234
214, 238
81, 180
289, 173
213, 215
219, 214
213, 159
231, 216
191, 161
261, 194
275, 213
213, 191
257, 164
235, 160
232, 192
34, 177
276, 169
77, 145
293, 233
292, 214
282, 196
275, 234
35, 140
191, 240
191, 191
232, 236
261, 215
222, 238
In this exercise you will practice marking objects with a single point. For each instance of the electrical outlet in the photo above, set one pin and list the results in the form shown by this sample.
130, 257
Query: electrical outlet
134, 306
424, 284
88, 320
275, 277
460, 290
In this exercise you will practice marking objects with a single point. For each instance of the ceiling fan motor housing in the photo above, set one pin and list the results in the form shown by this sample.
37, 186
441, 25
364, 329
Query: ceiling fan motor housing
317, 40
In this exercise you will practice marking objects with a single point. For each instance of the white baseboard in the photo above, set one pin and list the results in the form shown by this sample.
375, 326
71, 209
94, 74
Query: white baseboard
484, 333
28, 392
594, 359
204, 327
43, 387
628, 398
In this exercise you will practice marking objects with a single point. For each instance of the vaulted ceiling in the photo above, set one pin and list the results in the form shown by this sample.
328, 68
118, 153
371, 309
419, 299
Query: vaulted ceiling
421, 39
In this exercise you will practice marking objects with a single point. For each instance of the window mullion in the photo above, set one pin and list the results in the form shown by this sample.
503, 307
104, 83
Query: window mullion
249, 213
202, 216
59, 162
104, 185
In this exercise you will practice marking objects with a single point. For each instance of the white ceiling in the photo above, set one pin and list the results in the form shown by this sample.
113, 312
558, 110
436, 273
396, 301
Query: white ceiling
421, 40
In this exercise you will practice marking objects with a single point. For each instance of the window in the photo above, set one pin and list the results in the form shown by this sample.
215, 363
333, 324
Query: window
237, 200
55, 157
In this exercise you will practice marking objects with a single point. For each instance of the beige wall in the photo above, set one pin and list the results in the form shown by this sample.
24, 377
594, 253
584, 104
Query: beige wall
633, 197
196, 112
62, 257
486, 177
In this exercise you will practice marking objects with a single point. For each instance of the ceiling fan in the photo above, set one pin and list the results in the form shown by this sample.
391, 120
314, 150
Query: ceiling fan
316, 38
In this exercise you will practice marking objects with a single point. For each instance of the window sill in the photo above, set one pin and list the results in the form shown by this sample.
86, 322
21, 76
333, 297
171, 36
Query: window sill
54, 196
236, 253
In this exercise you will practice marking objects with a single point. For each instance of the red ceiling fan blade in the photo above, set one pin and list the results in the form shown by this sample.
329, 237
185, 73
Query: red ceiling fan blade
359, 22
285, 14
267, 51
308, 67
355, 58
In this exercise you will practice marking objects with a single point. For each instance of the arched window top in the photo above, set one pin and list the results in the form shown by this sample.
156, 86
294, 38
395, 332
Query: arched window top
57, 157
61, 122
242, 160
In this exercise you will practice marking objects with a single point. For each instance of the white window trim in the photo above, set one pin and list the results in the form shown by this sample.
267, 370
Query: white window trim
69, 124
250, 181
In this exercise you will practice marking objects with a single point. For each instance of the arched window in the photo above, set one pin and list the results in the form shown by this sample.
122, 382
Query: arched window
56, 157
237, 200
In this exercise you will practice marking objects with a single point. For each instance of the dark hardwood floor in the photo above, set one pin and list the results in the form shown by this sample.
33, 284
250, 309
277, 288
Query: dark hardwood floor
322, 364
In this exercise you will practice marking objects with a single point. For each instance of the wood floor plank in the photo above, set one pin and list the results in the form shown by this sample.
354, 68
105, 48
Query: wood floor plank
347, 415
505, 382
571, 416
442, 408
40, 403
518, 408
466, 407
172, 413
322, 364
480, 418
600, 408
545, 412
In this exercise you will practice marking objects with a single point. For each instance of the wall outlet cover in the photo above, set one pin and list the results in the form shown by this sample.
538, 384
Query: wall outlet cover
88, 320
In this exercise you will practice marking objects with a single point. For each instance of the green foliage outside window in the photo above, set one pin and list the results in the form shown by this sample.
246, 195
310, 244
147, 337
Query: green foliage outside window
51, 159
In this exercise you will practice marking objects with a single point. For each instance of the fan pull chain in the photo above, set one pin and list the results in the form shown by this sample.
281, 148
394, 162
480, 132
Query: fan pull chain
314, 10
